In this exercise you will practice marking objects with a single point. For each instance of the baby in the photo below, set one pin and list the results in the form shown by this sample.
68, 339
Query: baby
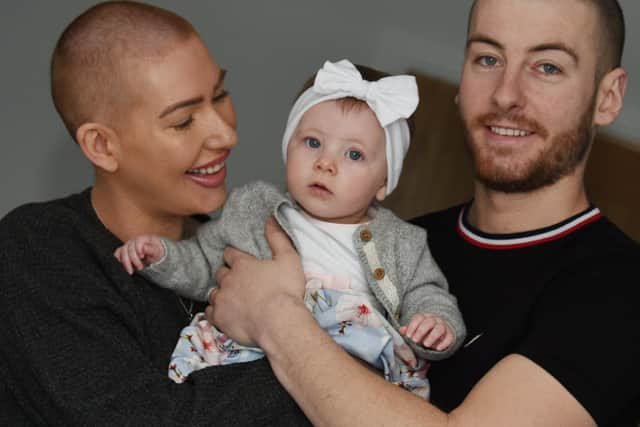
370, 278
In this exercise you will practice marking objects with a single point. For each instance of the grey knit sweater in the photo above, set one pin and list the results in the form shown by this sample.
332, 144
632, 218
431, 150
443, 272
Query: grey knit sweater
82, 343
399, 268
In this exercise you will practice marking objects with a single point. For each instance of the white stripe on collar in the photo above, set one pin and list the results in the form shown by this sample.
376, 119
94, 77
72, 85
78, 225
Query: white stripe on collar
526, 239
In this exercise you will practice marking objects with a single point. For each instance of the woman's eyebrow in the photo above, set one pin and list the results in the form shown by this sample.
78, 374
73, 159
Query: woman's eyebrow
192, 101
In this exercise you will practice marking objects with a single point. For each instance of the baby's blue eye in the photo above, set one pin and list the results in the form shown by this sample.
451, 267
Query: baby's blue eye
354, 154
488, 60
312, 143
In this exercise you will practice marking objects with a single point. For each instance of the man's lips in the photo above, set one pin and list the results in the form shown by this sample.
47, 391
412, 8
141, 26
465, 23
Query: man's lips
509, 131
506, 125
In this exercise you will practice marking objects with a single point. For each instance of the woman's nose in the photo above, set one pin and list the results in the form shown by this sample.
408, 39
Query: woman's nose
222, 130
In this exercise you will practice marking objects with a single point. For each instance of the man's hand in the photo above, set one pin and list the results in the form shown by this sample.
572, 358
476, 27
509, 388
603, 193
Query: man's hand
252, 292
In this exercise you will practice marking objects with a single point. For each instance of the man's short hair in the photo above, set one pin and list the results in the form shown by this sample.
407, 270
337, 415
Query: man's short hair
611, 32
88, 76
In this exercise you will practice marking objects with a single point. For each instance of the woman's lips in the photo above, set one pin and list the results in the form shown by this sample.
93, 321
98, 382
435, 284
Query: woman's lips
211, 174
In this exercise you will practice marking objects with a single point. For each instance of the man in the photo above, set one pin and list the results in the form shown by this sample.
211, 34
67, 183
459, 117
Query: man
541, 276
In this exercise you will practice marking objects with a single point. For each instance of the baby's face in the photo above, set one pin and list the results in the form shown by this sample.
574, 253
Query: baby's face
336, 162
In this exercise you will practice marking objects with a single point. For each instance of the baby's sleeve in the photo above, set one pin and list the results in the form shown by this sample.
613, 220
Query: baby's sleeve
188, 265
428, 292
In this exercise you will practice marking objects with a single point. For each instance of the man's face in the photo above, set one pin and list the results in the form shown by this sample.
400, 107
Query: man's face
527, 92
177, 134
336, 162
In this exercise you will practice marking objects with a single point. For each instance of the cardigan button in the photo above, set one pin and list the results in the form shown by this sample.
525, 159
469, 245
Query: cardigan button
378, 273
366, 235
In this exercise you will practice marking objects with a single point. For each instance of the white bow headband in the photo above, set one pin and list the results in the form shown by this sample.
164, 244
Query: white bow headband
393, 99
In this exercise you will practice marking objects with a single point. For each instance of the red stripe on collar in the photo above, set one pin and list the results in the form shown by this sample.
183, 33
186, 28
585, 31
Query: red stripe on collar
520, 240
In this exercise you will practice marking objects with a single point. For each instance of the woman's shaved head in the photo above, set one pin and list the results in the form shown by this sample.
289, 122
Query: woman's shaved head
93, 60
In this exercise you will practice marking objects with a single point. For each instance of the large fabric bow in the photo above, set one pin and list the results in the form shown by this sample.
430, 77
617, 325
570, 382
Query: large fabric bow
390, 98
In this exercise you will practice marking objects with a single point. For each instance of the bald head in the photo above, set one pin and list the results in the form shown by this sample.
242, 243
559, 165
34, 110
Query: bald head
93, 61
611, 32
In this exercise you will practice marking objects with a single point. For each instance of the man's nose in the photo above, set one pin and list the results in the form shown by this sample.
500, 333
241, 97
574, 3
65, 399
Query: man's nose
509, 93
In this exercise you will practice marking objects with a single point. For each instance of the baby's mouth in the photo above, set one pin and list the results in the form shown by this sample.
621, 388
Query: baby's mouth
319, 187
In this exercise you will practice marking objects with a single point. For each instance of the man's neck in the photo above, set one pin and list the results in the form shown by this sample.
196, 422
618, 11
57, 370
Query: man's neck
502, 213
127, 219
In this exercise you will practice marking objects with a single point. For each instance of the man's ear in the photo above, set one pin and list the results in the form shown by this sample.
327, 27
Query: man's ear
99, 144
610, 97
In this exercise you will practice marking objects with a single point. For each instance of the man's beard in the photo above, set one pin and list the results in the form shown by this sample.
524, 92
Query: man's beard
556, 160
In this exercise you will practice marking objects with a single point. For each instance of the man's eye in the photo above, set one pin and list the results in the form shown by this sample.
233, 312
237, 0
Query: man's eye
312, 143
549, 69
354, 155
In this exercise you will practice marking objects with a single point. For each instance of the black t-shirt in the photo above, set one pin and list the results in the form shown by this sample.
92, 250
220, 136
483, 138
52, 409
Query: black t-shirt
566, 297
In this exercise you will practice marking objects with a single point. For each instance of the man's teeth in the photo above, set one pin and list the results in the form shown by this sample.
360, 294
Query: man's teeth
207, 171
509, 131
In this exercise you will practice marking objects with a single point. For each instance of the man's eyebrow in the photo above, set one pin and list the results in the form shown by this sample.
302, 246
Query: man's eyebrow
556, 46
192, 101
484, 39
538, 48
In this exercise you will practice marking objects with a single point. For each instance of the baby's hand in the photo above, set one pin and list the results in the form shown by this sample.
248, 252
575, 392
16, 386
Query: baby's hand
140, 252
428, 330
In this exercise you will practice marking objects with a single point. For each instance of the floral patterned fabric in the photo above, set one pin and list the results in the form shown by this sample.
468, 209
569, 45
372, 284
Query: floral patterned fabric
350, 318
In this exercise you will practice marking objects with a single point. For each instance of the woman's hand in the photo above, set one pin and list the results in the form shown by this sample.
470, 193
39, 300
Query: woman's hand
253, 293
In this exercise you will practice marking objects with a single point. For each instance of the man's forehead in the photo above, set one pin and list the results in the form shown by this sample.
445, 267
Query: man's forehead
529, 23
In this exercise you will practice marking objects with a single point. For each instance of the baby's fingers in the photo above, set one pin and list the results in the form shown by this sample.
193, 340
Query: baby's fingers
414, 324
123, 256
437, 332
134, 257
446, 341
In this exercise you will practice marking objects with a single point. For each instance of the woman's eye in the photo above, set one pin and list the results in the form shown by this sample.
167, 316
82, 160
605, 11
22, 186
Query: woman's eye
312, 143
354, 155
184, 124
220, 96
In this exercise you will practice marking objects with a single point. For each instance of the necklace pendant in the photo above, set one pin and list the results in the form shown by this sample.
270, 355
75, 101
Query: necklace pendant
188, 311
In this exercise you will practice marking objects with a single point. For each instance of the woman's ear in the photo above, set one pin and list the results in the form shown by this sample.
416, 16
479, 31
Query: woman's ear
610, 97
99, 144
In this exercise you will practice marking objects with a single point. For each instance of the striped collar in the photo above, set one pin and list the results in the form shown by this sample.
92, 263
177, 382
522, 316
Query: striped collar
529, 238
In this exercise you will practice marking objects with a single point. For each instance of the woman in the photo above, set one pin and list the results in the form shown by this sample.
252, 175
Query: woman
84, 343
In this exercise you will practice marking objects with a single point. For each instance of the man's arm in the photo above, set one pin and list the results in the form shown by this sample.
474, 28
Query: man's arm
334, 390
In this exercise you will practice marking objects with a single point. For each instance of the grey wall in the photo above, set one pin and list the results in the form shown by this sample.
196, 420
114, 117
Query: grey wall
269, 48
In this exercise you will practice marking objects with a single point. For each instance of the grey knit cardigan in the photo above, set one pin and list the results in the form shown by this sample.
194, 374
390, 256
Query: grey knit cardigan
399, 268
